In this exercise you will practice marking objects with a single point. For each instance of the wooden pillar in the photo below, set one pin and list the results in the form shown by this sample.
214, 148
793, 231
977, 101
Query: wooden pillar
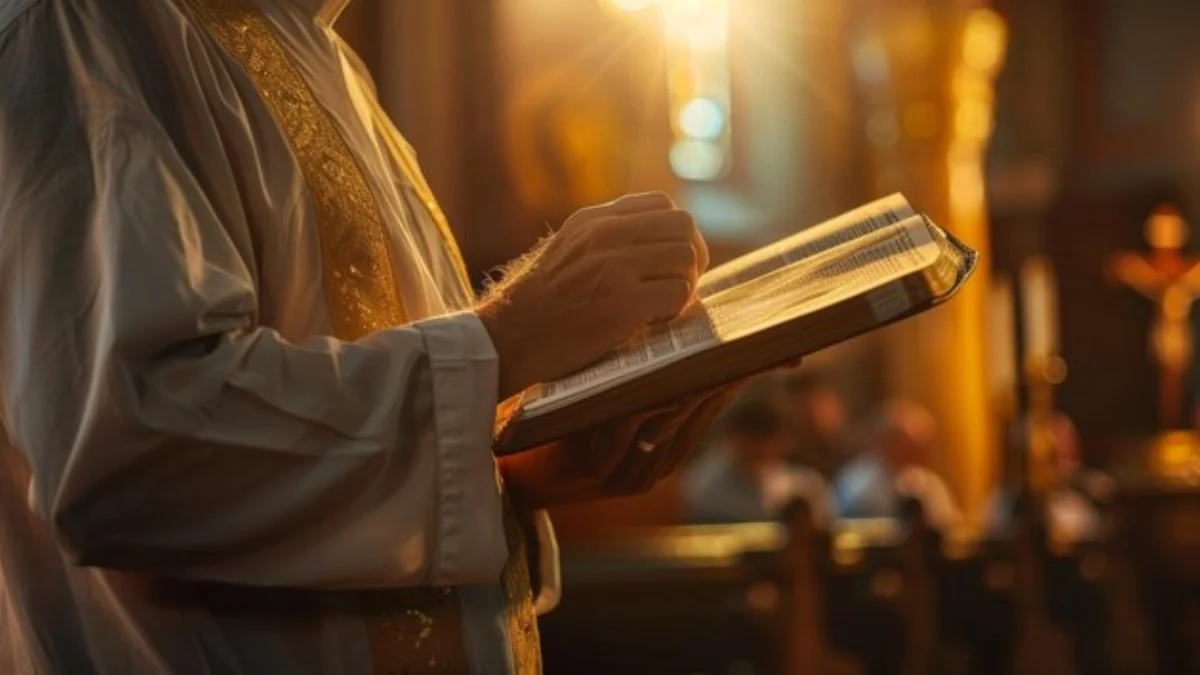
924, 70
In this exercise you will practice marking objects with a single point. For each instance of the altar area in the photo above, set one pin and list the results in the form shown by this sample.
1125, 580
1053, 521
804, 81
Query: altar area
1059, 137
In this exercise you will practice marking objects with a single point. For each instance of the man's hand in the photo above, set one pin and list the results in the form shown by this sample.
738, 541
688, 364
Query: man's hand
622, 458
611, 270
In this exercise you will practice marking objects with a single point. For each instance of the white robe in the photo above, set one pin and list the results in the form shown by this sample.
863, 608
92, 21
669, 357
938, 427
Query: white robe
172, 405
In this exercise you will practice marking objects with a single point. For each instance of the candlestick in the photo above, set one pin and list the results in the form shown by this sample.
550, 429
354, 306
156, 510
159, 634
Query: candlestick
1040, 317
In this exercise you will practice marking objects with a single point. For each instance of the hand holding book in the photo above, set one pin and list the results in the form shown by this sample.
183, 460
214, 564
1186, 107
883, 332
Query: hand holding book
609, 271
616, 458
870, 267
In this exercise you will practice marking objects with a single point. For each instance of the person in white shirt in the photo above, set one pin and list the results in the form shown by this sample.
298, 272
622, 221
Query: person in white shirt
1072, 501
247, 395
892, 468
746, 475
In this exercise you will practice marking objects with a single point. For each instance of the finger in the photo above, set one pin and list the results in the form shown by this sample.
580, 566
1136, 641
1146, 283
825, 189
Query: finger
664, 299
604, 448
693, 432
670, 436
639, 203
625, 206
642, 465
664, 260
701, 249
653, 226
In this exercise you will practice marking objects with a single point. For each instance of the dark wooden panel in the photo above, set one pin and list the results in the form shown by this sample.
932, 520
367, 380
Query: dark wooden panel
1111, 387
1135, 94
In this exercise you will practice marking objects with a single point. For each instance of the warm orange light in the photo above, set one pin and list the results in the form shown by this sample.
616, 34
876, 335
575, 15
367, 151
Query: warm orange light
696, 34
1166, 228
921, 120
983, 41
702, 25
973, 120
630, 6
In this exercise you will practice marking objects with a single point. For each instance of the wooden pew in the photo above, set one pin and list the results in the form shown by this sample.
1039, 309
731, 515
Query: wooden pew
909, 599
977, 600
1159, 534
788, 599
667, 601
866, 592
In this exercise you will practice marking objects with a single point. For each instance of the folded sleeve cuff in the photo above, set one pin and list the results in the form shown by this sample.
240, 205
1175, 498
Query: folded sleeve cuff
549, 590
469, 525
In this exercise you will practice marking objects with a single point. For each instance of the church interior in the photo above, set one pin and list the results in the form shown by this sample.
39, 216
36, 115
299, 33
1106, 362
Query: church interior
1039, 507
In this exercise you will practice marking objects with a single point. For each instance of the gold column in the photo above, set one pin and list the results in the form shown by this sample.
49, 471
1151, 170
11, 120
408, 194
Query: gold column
924, 70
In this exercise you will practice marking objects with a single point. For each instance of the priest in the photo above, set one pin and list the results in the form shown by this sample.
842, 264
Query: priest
246, 392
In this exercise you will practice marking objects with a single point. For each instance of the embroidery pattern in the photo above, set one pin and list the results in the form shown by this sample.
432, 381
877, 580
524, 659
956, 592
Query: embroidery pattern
356, 259
417, 631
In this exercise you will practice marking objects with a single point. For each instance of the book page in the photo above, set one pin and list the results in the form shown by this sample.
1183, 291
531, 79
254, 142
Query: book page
809, 284
811, 241
852, 268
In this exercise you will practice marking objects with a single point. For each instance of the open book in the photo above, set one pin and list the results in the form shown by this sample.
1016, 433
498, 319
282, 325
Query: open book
850, 275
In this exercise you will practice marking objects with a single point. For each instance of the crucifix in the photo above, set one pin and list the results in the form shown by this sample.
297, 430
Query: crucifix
1171, 280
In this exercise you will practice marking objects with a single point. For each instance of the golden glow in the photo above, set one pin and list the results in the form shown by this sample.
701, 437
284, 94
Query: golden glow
966, 186
1039, 295
696, 34
1176, 456
973, 120
1166, 228
915, 36
1176, 303
925, 70
629, 5
983, 41
701, 25
921, 120
699, 86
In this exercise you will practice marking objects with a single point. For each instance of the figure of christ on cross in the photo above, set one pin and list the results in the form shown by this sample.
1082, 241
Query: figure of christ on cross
1172, 281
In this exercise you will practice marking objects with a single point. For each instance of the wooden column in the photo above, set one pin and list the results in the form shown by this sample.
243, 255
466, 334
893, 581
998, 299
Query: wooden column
924, 70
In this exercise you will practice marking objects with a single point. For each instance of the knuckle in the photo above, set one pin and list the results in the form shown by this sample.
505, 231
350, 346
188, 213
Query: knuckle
660, 198
588, 216
646, 201
609, 229
688, 255
602, 228
683, 224
682, 294
685, 217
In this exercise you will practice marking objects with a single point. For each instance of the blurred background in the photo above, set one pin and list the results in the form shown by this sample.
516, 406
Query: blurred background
1008, 484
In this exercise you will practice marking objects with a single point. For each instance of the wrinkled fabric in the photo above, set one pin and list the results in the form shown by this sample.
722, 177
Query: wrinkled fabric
182, 438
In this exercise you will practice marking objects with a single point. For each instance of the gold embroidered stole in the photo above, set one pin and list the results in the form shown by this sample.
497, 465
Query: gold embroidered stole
413, 631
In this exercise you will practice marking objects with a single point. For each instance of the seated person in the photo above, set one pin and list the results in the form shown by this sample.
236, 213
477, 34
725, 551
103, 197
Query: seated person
1071, 503
818, 414
892, 468
745, 475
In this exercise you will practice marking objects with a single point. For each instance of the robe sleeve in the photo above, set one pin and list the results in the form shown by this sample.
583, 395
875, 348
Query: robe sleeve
169, 433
